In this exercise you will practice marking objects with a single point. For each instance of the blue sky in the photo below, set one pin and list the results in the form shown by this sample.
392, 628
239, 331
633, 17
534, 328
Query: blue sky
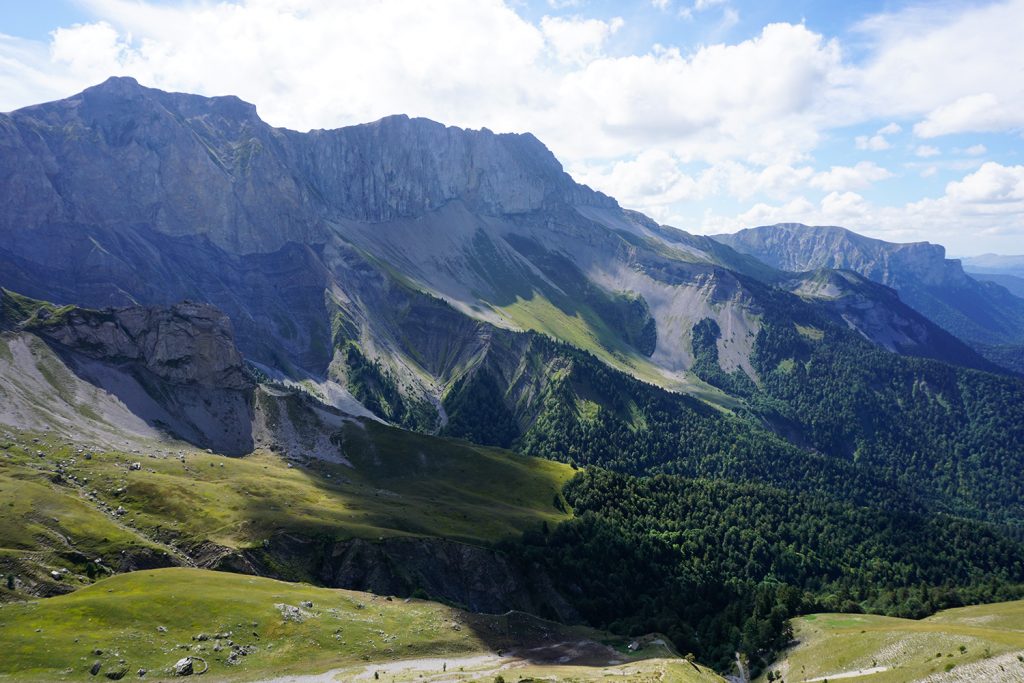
900, 120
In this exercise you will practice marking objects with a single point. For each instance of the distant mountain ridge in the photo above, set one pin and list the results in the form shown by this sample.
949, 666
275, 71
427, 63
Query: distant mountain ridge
978, 312
995, 264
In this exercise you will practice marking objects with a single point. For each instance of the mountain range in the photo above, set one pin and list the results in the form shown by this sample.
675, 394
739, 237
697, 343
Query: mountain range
484, 383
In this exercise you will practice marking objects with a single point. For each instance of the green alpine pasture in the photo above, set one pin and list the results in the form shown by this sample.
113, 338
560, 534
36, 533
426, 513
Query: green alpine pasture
979, 643
250, 628
61, 511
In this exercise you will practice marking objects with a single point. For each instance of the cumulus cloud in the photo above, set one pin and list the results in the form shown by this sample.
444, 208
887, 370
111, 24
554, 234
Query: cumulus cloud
753, 99
576, 40
991, 184
973, 113
843, 178
875, 143
878, 141
945, 61
925, 151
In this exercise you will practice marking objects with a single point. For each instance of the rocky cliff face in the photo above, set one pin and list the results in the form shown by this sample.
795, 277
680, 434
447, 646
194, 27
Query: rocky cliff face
479, 579
151, 373
181, 164
796, 247
185, 344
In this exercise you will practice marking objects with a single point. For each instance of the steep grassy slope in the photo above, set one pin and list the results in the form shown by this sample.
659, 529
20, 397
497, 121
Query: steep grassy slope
151, 619
64, 511
983, 643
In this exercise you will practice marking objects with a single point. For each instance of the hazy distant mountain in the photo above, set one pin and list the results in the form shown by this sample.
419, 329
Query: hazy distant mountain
994, 264
1013, 283
975, 311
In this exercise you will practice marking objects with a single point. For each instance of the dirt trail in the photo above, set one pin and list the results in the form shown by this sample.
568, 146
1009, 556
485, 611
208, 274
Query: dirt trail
456, 669
849, 674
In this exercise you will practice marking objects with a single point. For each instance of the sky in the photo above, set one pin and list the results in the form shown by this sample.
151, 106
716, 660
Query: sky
900, 120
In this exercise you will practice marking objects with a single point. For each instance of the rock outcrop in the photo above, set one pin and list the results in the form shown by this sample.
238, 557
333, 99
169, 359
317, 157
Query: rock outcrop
186, 344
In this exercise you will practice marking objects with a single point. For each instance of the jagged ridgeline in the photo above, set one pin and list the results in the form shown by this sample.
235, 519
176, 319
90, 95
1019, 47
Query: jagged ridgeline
461, 375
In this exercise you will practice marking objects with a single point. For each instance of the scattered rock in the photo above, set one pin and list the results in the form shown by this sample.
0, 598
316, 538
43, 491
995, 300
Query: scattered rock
142, 673
183, 667
118, 673
135, 466
95, 668
308, 604
201, 637
293, 613
161, 629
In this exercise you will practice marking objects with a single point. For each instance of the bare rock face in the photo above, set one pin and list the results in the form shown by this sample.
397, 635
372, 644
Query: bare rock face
179, 164
399, 167
796, 247
185, 344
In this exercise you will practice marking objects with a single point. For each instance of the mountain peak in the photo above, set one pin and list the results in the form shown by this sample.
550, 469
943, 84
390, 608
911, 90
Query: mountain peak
117, 84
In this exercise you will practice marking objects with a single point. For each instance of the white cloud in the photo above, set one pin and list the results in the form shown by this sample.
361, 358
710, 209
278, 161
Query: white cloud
576, 40
973, 113
944, 60
843, 178
925, 151
975, 150
875, 143
751, 100
655, 181
878, 141
991, 184
730, 15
